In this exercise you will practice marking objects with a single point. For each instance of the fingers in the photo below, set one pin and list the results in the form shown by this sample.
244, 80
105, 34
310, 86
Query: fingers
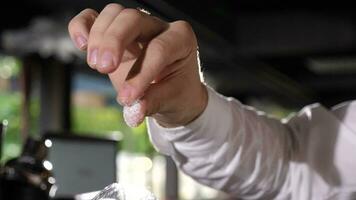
97, 33
79, 27
128, 28
169, 47
183, 93
113, 36
146, 49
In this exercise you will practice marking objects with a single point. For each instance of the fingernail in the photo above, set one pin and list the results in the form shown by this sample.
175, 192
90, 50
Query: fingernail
125, 94
80, 41
93, 57
106, 59
118, 100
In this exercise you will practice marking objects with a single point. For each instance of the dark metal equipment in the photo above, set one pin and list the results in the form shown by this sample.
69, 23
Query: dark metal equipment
28, 176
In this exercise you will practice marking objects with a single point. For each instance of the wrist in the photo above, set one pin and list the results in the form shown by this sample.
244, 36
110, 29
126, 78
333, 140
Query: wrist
188, 114
203, 102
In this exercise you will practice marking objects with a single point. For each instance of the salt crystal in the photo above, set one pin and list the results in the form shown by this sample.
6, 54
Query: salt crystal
132, 114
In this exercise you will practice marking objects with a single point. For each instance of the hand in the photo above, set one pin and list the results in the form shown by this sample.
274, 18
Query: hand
147, 59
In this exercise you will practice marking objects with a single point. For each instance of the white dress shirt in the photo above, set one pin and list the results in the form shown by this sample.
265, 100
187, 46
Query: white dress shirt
244, 152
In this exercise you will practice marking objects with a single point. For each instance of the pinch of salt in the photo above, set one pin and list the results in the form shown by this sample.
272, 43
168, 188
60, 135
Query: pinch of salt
132, 114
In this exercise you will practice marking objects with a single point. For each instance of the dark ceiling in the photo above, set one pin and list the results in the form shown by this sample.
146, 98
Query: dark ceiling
295, 52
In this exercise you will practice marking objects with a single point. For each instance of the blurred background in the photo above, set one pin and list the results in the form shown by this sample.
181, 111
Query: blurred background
275, 55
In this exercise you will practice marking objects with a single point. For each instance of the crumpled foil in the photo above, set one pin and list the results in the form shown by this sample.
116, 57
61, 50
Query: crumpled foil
117, 191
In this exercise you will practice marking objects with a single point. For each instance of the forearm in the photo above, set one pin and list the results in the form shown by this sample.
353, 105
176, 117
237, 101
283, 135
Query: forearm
229, 147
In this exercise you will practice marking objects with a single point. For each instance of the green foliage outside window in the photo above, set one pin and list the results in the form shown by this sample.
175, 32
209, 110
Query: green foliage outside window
10, 105
102, 121
10, 111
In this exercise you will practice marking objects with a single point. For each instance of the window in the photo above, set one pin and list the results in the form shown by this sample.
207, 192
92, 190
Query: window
10, 104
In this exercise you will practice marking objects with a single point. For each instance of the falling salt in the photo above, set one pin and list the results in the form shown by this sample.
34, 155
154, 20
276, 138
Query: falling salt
132, 114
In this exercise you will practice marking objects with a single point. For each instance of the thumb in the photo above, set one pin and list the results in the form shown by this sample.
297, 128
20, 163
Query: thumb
164, 102
159, 98
157, 101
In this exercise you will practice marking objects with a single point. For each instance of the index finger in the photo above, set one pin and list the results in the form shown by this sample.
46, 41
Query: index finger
79, 27
171, 46
129, 27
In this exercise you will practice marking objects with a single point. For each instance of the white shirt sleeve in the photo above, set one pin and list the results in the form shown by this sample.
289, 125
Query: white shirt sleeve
229, 147
236, 149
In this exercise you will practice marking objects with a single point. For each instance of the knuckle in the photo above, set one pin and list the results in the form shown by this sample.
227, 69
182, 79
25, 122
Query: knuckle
90, 13
114, 36
116, 41
183, 25
132, 13
114, 7
113, 41
74, 24
114, 33
83, 18
185, 30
